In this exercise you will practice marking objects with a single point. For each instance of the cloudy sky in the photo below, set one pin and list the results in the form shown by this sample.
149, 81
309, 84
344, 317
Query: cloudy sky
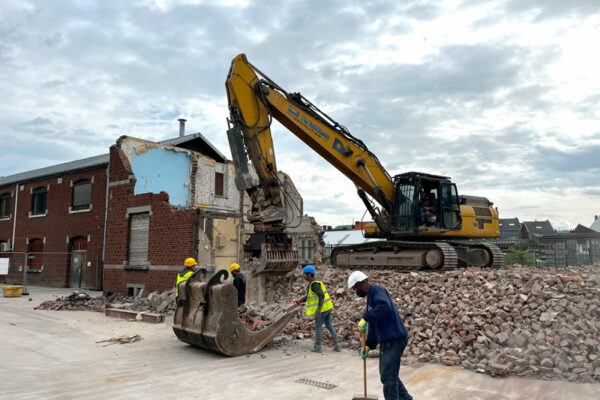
502, 96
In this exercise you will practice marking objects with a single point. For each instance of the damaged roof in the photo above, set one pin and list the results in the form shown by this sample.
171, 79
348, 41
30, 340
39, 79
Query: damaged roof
197, 142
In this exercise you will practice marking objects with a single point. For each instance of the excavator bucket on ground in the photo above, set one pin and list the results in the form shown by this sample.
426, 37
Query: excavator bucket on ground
207, 317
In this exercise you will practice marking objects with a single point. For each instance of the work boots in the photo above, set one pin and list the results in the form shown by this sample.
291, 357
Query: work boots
317, 348
336, 347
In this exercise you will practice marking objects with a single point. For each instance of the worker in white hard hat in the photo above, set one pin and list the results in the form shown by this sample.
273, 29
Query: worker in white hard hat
385, 327
239, 282
189, 266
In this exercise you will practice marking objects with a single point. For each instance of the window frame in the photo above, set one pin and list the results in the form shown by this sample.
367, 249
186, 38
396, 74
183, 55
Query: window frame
35, 196
5, 198
81, 207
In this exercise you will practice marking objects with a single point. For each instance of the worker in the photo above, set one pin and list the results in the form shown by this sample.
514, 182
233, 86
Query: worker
384, 327
239, 282
319, 304
189, 266
428, 207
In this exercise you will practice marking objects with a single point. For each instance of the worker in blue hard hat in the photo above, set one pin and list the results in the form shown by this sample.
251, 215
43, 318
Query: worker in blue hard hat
319, 305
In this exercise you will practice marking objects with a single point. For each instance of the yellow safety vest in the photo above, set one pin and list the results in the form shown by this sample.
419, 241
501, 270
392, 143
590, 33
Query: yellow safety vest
312, 301
180, 279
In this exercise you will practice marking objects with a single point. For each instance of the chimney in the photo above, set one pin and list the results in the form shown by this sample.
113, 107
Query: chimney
182, 126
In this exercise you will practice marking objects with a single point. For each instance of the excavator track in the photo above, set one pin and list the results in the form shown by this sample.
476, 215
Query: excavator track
418, 256
399, 255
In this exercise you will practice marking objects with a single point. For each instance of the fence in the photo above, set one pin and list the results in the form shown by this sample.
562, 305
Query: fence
78, 269
567, 253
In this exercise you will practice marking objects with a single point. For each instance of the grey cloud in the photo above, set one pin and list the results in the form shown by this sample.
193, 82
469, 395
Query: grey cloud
38, 125
54, 83
554, 8
579, 160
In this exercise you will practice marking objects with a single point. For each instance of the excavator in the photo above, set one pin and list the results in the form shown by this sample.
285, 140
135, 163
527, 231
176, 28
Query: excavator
423, 222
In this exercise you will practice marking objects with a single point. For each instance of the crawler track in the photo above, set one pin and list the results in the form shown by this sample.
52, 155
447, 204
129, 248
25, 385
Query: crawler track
408, 256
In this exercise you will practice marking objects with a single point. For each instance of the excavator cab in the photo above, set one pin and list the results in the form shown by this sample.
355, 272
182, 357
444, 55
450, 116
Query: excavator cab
425, 203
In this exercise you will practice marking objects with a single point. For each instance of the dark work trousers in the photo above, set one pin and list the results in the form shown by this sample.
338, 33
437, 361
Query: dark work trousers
389, 366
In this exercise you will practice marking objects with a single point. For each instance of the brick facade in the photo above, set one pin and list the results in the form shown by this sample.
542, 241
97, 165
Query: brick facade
56, 229
171, 236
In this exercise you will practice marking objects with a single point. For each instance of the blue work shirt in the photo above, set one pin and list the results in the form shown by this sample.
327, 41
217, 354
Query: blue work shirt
384, 321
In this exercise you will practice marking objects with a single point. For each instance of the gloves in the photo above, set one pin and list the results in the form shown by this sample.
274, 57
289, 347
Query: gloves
297, 302
362, 326
364, 353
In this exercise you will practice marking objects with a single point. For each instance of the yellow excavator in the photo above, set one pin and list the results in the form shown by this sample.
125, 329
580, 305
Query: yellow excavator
424, 222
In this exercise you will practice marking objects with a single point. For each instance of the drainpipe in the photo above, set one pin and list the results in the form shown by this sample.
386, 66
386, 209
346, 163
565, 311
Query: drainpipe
182, 126
105, 220
15, 216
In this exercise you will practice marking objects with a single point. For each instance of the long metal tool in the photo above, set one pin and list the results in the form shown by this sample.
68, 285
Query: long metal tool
366, 396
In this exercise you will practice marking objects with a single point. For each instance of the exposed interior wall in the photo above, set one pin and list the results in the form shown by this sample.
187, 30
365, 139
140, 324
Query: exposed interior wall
226, 242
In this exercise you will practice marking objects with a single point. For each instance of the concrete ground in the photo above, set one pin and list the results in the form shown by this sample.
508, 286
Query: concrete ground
54, 355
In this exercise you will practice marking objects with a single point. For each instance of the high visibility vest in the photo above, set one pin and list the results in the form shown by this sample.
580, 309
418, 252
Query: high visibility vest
312, 301
180, 279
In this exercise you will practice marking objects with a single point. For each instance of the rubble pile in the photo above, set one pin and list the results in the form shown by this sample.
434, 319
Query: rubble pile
154, 302
256, 316
523, 321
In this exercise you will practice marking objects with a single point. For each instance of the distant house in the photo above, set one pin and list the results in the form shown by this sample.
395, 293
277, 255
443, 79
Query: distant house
596, 224
510, 229
534, 230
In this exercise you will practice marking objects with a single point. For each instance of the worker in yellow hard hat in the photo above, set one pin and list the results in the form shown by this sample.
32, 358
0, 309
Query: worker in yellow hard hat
239, 282
189, 266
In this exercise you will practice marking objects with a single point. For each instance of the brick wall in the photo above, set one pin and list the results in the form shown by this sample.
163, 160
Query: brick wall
171, 237
57, 227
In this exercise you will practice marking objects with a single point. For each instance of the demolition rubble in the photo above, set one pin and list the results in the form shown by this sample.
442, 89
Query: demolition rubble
521, 321
542, 322
154, 302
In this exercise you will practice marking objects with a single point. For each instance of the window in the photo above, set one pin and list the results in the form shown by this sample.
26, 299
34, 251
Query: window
5, 205
38, 201
219, 184
82, 193
138, 239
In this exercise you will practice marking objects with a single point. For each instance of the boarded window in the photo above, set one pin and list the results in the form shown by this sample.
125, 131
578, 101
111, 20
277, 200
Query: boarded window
38, 201
219, 184
138, 239
5, 205
82, 194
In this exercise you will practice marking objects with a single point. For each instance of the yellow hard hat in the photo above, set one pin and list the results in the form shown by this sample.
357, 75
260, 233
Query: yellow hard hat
190, 262
233, 267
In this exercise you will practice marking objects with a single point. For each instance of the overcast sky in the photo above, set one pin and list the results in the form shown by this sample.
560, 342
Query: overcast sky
502, 96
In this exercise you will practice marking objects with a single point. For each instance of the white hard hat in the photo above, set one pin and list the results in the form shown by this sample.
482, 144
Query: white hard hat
356, 277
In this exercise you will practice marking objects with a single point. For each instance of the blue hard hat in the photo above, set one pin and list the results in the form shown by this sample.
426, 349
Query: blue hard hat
309, 269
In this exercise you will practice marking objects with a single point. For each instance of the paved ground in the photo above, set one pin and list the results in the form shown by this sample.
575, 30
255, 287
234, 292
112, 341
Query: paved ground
54, 355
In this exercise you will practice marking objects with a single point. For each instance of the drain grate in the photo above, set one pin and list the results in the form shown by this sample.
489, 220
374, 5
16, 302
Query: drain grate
322, 385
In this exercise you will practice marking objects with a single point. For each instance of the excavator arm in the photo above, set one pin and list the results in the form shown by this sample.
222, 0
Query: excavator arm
254, 100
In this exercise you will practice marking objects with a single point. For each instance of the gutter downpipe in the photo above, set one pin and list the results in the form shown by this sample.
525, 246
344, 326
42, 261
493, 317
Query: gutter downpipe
15, 216
105, 221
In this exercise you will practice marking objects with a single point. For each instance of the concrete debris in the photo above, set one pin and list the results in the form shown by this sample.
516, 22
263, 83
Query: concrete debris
542, 322
163, 303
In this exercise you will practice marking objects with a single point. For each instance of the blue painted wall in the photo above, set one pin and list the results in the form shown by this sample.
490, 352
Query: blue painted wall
163, 170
